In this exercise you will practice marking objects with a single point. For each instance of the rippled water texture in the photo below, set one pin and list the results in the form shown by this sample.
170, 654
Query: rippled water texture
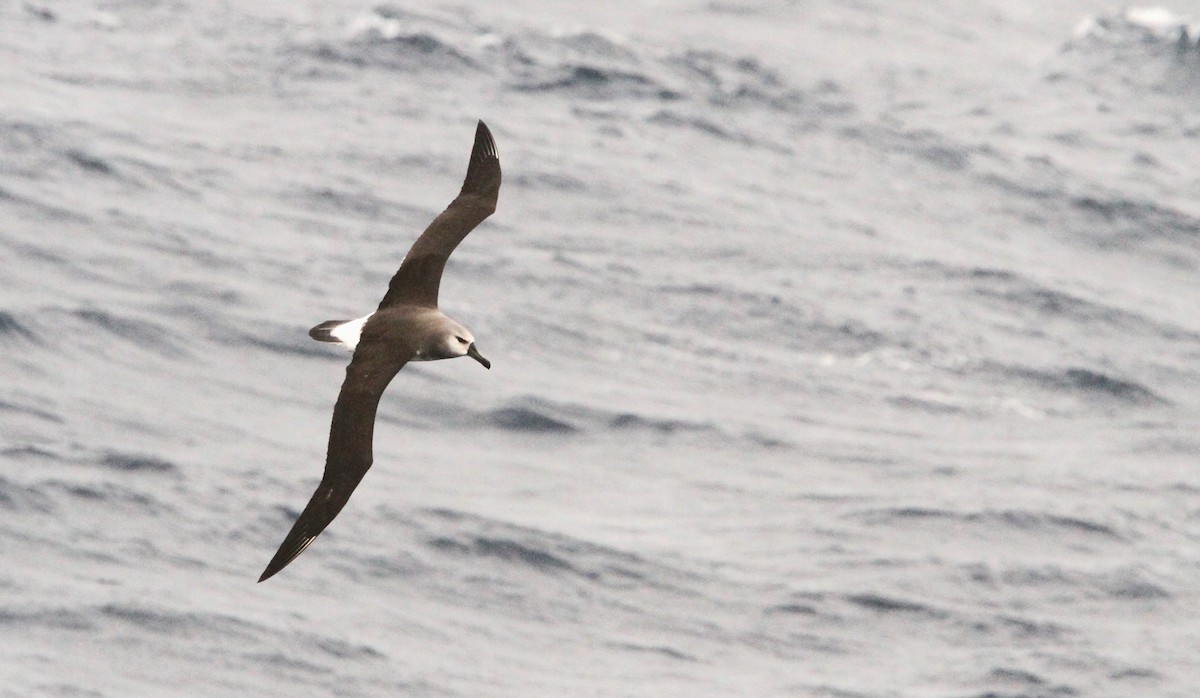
839, 349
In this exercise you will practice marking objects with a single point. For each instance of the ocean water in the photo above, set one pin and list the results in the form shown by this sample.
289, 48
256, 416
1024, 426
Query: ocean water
841, 348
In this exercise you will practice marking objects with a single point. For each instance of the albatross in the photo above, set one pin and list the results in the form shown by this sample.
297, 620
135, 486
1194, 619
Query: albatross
407, 326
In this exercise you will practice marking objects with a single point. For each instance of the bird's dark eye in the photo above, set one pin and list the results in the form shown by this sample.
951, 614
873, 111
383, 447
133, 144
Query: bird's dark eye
461, 340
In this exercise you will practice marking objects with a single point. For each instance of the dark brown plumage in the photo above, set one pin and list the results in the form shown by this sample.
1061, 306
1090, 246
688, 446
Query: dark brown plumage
407, 326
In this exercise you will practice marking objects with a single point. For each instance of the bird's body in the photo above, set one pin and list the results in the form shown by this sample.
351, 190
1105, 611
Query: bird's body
407, 326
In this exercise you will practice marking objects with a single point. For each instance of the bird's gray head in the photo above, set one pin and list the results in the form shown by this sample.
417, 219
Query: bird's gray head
455, 341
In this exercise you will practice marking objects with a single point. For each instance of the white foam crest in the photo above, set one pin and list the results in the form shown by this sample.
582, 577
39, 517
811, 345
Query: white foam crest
1158, 20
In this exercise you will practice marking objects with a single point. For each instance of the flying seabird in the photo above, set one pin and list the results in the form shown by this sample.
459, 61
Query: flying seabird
407, 326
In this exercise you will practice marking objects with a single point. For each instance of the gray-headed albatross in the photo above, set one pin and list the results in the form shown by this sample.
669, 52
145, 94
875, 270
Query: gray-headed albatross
407, 326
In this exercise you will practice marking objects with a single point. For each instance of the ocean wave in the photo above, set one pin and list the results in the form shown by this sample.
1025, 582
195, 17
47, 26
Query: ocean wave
1018, 682
106, 479
107, 494
1131, 221
1121, 583
1084, 382
56, 618
468, 535
143, 333
388, 567
527, 419
1078, 210
42, 209
662, 650
737, 313
891, 604
1044, 521
1021, 295
47, 151
11, 328
792, 608
1132, 53
1132, 584
341, 649
736, 80
504, 549
292, 341
590, 65
403, 52
663, 425
997, 520
592, 81
1095, 382
357, 202
584, 64
171, 622
89, 162
560, 181
932, 403
114, 461
541, 416
1025, 628
19, 497
29, 451
286, 662
710, 127
943, 152
132, 463
1144, 25
39, 412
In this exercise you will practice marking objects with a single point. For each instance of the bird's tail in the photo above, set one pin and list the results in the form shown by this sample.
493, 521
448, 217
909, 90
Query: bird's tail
324, 331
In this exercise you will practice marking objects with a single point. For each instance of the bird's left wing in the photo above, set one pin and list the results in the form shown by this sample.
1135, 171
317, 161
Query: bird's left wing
349, 455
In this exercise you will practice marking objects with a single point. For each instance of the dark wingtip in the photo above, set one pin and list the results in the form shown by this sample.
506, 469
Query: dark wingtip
483, 172
274, 567
485, 145
297, 541
282, 559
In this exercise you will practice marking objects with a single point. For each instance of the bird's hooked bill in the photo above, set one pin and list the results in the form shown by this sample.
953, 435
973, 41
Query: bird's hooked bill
474, 354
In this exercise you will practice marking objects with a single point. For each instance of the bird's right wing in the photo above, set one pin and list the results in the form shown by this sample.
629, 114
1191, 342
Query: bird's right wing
420, 275
350, 453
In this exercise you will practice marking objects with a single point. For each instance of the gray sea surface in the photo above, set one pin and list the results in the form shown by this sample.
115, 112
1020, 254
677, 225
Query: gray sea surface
840, 348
